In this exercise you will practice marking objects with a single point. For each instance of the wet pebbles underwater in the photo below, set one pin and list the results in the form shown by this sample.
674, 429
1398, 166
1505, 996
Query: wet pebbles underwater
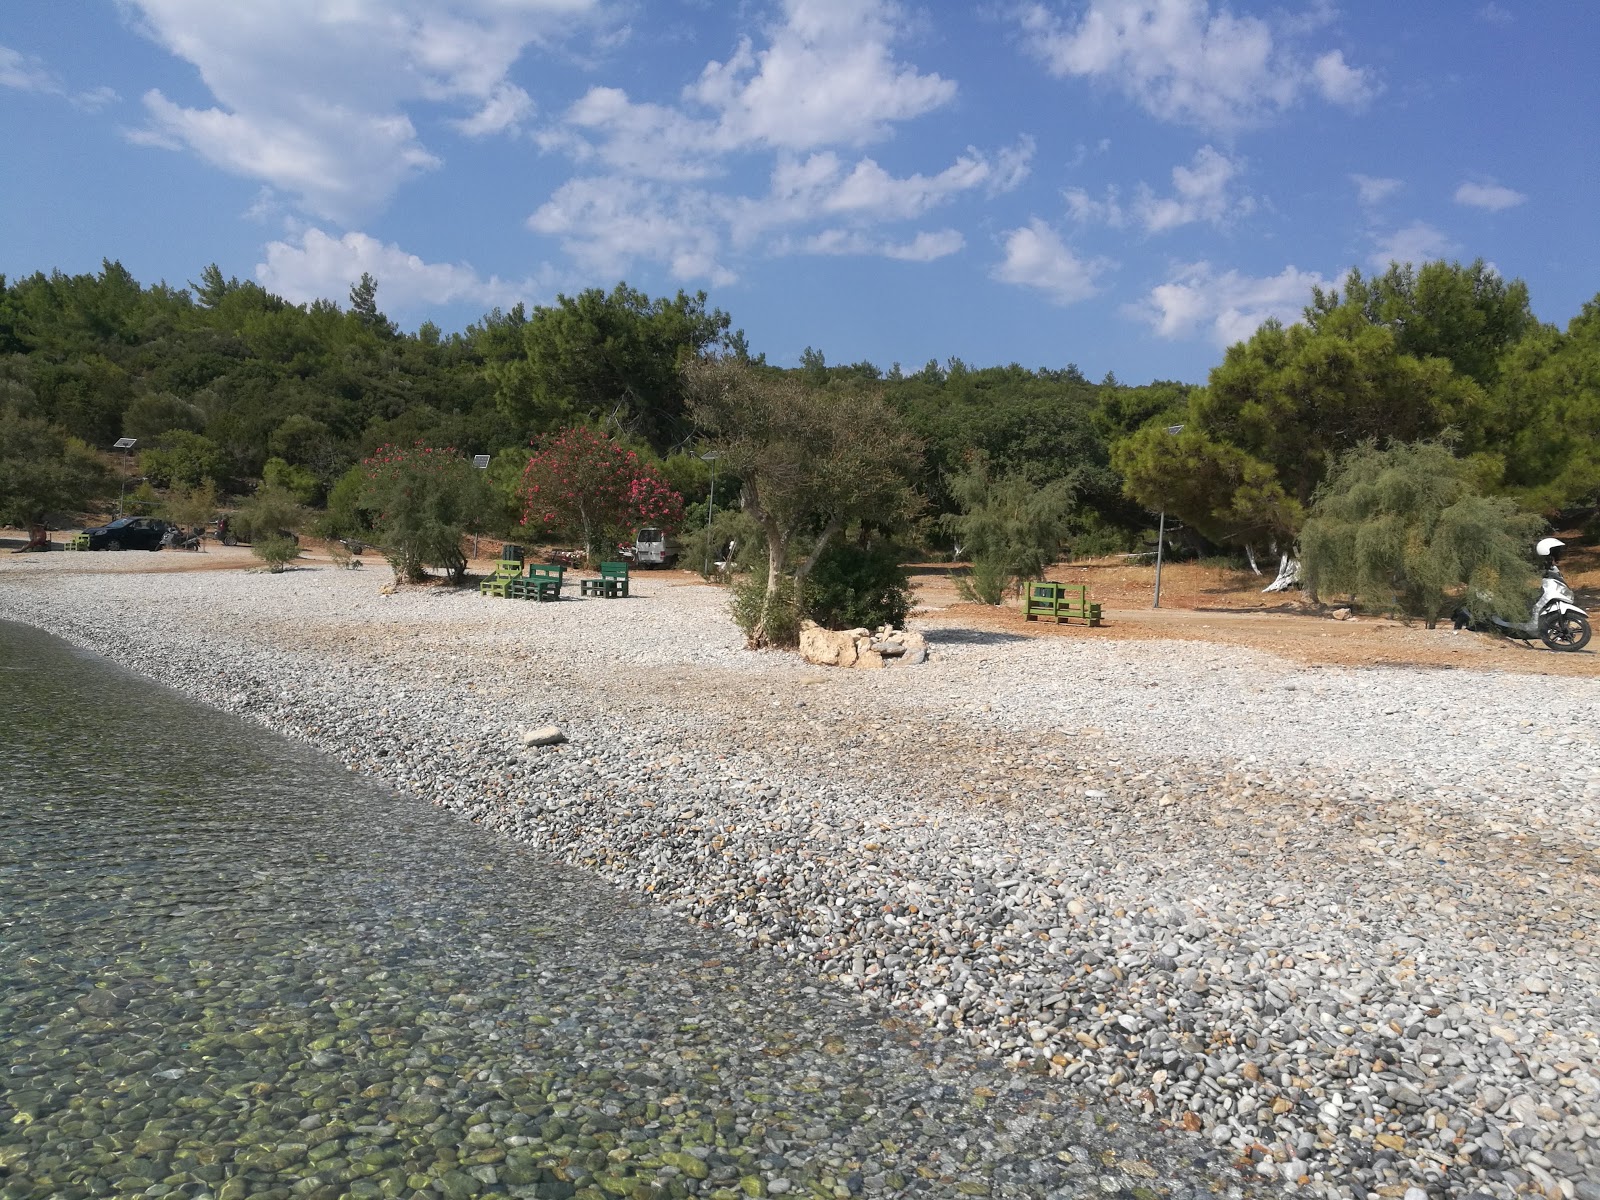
1340, 924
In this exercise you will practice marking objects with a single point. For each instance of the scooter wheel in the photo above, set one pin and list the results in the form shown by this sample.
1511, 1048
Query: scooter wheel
1565, 631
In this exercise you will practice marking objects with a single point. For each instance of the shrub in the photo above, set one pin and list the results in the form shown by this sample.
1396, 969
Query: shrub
270, 513
729, 525
1404, 529
425, 500
587, 485
182, 459
277, 552
193, 508
1010, 526
297, 481
851, 587
749, 600
986, 581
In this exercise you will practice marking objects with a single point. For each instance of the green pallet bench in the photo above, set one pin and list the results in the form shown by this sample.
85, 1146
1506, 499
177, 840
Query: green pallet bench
80, 541
612, 584
542, 582
506, 572
1060, 602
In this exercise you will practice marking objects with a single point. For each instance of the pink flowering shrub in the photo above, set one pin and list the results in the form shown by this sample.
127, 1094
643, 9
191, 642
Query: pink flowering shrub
585, 485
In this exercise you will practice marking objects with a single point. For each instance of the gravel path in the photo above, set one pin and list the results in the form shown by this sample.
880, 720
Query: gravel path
1339, 923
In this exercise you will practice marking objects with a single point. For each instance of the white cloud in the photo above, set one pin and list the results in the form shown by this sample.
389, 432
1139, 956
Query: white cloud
1374, 189
312, 97
1495, 14
606, 224
828, 76
1340, 83
1417, 242
503, 112
26, 74
827, 79
1181, 61
1491, 196
1086, 210
29, 74
925, 247
318, 265
1226, 307
1036, 257
1201, 193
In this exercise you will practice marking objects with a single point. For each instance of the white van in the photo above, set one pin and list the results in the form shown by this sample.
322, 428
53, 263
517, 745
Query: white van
650, 549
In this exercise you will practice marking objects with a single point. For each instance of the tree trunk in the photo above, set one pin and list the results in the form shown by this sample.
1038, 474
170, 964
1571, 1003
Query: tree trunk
804, 569
777, 560
1250, 557
1288, 575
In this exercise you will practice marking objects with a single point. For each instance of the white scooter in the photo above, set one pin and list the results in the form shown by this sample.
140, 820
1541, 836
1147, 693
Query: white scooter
1556, 619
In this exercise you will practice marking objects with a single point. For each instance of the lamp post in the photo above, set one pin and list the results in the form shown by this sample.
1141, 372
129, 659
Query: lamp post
126, 445
711, 457
1161, 531
481, 461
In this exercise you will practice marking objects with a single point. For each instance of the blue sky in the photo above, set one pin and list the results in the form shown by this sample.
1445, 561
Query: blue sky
1128, 185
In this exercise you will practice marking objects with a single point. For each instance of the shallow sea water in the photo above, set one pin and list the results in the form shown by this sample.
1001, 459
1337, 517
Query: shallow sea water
230, 968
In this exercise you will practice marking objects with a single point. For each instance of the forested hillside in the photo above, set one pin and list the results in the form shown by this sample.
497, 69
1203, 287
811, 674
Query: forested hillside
222, 381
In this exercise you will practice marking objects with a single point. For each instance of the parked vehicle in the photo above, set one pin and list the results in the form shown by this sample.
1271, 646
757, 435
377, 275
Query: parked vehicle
650, 549
128, 533
1556, 619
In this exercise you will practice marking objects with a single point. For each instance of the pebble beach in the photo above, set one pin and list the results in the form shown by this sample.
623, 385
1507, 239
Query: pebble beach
1334, 930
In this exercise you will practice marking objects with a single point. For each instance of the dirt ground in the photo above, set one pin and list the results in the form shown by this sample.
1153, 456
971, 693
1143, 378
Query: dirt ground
1198, 603
1216, 604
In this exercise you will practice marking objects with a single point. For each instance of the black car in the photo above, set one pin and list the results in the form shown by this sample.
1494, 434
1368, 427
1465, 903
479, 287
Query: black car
128, 533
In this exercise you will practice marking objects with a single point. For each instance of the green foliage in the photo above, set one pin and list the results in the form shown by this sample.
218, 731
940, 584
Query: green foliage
155, 413
426, 500
297, 481
614, 358
809, 461
277, 552
142, 501
192, 508
1279, 410
1011, 528
703, 548
1469, 316
768, 617
349, 514
985, 581
1403, 529
268, 514
43, 470
1551, 381
181, 459
857, 587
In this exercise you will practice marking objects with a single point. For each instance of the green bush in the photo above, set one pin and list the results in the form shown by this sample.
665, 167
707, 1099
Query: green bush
985, 581
276, 552
783, 618
1405, 530
1008, 524
181, 459
297, 481
269, 514
851, 587
728, 525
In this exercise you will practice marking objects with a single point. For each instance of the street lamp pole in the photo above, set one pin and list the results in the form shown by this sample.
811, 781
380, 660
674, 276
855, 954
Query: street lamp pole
126, 445
1161, 533
711, 457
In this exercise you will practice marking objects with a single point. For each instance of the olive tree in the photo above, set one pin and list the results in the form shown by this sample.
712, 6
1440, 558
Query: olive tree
809, 461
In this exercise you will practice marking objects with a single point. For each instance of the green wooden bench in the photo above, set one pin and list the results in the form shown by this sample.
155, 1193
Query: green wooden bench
612, 584
1059, 602
542, 582
80, 541
506, 572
